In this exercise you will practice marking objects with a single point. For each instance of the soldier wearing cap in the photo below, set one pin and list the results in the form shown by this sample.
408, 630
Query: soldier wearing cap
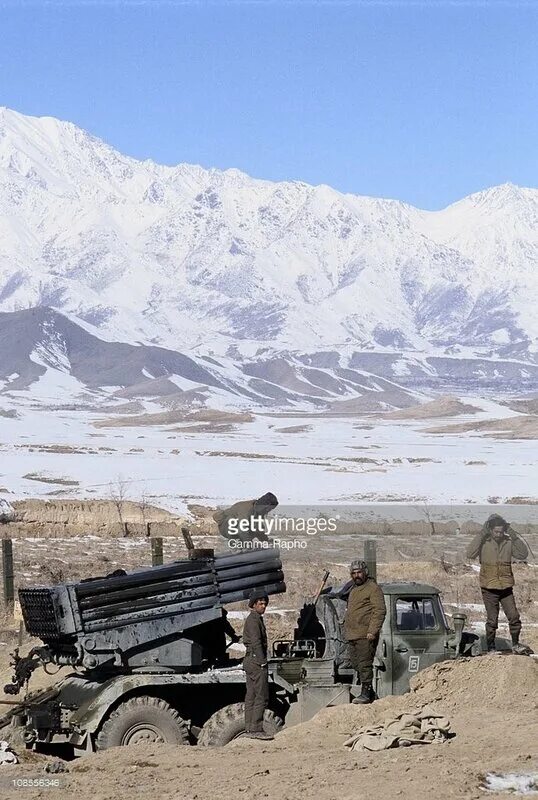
255, 666
364, 618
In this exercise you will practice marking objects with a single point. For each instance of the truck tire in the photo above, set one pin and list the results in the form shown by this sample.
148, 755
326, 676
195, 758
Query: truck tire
142, 720
229, 723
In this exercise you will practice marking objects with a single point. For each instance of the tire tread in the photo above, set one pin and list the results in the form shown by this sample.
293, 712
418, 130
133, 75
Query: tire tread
108, 728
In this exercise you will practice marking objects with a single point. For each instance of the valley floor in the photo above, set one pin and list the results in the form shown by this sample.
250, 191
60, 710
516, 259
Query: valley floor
312, 459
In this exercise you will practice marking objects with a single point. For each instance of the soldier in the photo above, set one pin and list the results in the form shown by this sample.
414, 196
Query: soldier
364, 618
245, 521
255, 666
496, 545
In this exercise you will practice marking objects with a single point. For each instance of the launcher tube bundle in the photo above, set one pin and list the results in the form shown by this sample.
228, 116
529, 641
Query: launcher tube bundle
166, 615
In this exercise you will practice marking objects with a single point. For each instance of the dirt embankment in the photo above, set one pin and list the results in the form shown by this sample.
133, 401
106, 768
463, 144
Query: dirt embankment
49, 518
491, 702
106, 517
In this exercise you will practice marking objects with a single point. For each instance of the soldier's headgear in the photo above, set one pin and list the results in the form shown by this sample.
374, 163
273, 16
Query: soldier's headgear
257, 594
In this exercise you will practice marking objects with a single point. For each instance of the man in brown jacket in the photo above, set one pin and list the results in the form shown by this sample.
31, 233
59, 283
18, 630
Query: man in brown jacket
255, 666
245, 521
496, 545
364, 618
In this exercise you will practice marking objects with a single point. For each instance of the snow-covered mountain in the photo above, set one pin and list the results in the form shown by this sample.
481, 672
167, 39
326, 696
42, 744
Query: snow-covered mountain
214, 263
62, 362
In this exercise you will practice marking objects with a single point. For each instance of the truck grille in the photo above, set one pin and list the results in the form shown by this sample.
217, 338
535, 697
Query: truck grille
38, 612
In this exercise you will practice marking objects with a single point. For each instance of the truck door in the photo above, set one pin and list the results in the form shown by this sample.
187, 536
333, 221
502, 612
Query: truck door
418, 637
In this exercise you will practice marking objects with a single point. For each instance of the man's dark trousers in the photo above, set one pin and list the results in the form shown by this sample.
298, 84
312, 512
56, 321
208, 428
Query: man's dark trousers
361, 653
493, 598
257, 694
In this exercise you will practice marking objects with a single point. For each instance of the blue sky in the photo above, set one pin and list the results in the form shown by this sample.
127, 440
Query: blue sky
421, 101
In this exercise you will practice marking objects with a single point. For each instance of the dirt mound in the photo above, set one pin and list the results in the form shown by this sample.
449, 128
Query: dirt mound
523, 427
506, 682
528, 405
442, 407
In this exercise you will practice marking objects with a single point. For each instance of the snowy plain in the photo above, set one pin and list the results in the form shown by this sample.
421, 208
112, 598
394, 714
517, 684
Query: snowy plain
304, 459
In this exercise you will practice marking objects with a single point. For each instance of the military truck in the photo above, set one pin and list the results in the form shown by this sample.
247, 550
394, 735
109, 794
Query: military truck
152, 662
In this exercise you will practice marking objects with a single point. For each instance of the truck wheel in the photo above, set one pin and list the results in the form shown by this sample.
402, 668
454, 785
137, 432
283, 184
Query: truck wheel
142, 720
229, 723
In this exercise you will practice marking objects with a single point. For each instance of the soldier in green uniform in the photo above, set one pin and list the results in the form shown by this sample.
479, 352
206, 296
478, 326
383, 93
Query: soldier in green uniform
364, 618
255, 666
495, 546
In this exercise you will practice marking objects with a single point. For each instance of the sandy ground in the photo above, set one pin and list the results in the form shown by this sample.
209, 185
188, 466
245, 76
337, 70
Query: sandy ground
491, 702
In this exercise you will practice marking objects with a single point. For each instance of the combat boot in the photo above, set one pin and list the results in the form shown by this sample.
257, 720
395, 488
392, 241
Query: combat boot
367, 694
521, 649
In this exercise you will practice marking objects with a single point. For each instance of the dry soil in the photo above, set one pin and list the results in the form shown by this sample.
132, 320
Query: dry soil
491, 702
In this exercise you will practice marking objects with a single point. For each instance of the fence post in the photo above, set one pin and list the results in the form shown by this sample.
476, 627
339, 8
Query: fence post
7, 572
370, 556
156, 551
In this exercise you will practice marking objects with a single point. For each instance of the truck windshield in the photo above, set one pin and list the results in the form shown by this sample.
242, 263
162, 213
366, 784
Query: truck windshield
415, 614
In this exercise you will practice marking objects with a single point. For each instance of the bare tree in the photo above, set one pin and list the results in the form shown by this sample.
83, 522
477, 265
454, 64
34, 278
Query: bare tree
427, 513
144, 508
117, 493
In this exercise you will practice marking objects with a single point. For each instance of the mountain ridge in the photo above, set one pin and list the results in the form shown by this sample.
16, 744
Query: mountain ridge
211, 262
58, 361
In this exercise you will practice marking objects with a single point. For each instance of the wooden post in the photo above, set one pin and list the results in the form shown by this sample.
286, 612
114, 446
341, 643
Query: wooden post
156, 551
370, 556
189, 544
7, 572
195, 552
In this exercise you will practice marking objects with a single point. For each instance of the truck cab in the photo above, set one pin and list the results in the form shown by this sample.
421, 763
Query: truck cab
415, 635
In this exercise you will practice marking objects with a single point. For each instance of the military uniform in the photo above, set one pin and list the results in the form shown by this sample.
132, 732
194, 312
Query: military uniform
496, 576
255, 666
365, 614
237, 514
